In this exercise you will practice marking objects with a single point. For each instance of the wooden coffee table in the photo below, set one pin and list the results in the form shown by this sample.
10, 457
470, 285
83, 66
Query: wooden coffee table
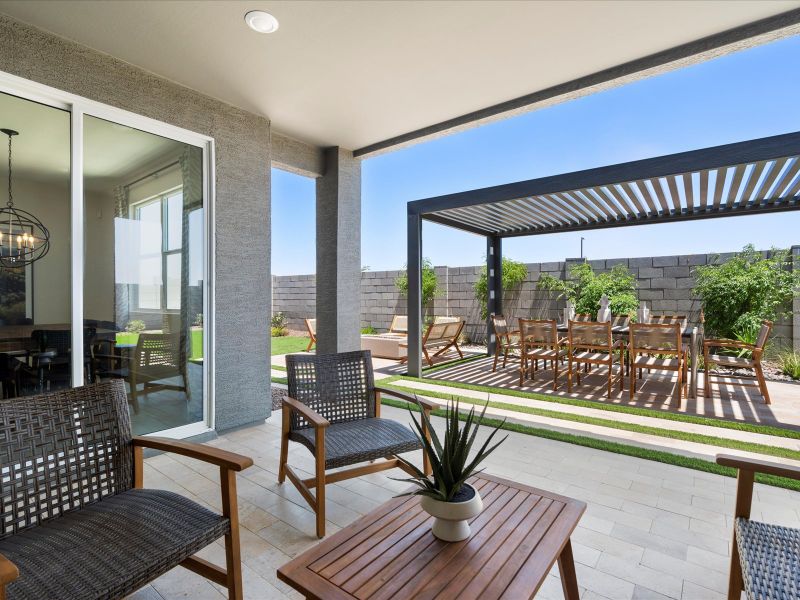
391, 552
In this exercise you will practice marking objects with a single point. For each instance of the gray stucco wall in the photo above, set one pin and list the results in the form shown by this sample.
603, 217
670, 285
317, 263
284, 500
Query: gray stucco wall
242, 345
664, 282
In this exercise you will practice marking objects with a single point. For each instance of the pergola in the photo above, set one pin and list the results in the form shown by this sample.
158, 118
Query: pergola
745, 178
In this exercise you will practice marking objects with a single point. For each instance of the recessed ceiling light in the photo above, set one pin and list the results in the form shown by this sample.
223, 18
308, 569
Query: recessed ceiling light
261, 21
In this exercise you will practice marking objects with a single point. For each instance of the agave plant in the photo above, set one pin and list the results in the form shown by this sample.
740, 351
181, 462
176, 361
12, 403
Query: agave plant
449, 459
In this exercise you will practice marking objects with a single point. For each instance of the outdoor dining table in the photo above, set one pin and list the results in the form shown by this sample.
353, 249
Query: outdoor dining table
391, 552
689, 333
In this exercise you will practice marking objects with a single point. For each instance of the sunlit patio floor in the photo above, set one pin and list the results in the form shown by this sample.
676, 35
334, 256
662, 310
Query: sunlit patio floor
650, 530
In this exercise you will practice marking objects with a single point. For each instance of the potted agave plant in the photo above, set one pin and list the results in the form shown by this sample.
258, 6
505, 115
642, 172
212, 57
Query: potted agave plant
446, 495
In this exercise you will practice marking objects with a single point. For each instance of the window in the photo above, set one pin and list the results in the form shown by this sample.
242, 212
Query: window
160, 221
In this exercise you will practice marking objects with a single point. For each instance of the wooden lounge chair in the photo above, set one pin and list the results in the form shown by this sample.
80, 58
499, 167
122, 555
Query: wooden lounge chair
764, 557
439, 337
311, 326
77, 520
539, 341
658, 346
334, 410
399, 325
506, 340
754, 362
590, 343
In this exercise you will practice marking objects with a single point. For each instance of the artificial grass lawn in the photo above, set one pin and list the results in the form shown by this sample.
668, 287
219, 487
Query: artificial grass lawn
287, 344
656, 455
686, 436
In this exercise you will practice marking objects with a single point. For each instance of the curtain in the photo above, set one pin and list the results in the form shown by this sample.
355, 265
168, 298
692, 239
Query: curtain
191, 162
122, 291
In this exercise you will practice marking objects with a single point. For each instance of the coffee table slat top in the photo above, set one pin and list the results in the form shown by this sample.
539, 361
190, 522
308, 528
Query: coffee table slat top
391, 552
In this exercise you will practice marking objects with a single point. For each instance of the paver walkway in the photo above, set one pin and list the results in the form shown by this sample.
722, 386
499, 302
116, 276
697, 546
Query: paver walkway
650, 531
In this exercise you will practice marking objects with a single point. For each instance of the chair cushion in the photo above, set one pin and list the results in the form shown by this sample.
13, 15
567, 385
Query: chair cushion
110, 548
730, 361
770, 558
358, 441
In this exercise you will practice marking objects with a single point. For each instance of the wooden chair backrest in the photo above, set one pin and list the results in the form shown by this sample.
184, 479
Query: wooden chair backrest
655, 338
590, 335
438, 332
399, 324
311, 325
763, 336
620, 320
584, 317
500, 325
538, 333
682, 320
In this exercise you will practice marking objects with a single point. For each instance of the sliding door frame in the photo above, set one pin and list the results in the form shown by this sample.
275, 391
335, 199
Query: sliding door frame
78, 107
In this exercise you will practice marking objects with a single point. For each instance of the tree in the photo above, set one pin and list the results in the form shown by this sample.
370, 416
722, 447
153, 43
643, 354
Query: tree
584, 288
738, 294
430, 285
514, 273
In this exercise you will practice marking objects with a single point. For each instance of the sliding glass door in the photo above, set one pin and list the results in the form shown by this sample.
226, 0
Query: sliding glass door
144, 265
125, 290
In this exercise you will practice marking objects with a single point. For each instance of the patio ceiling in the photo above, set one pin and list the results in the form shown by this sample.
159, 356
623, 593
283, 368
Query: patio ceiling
750, 177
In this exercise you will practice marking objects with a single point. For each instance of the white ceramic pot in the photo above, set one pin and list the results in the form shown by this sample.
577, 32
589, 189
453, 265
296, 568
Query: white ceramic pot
450, 521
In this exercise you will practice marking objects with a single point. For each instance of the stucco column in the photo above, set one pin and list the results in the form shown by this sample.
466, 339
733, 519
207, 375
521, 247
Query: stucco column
338, 253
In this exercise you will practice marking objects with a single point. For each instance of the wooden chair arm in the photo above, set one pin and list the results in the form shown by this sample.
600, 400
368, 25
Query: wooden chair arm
424, 402
8, 573
722, 343
209, 454
312, 416
618, 344
759, 466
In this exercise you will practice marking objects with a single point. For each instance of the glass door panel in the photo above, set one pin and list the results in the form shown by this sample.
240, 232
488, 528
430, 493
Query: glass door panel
144, 265
35, 301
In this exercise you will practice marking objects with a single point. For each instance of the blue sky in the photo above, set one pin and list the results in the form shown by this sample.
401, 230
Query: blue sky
746, 95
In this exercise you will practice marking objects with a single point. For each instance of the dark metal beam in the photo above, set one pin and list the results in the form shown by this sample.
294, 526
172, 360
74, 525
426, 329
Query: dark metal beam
414, 272
494, 286
694, 160
731, 40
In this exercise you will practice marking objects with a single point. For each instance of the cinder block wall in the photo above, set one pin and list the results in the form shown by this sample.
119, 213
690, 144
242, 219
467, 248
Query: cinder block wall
664, 282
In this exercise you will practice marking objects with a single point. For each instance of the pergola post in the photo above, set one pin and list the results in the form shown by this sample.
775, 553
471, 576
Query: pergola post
494, 289
414, 271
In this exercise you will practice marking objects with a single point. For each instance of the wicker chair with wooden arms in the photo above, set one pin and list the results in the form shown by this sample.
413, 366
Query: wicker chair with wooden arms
311, 326
764, 557
80, 524
506, 340
333, 409
658, 346
539, 341
737, 362
591, 343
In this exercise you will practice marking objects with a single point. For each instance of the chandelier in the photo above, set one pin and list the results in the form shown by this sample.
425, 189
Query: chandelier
23, 237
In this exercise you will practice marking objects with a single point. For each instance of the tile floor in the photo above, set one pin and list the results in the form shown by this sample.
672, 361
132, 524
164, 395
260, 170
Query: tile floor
650, 530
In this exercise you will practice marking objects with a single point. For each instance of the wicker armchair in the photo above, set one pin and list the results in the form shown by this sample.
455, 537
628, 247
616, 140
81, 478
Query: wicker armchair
334, 410
79, 524
764, 557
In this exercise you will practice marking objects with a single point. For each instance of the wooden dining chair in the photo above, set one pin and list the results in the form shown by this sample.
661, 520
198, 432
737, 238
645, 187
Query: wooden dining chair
739, 362
591, 343
658, 346
539, 340
506, 340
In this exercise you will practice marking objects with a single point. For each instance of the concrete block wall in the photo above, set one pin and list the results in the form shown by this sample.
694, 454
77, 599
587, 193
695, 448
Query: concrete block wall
664, 282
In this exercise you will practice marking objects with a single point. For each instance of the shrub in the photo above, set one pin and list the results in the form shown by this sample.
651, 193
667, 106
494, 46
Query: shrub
790, 363
430, 286
514, 273
279, 331
738, 294
369, 330
584, 288
135, 326
279, 320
